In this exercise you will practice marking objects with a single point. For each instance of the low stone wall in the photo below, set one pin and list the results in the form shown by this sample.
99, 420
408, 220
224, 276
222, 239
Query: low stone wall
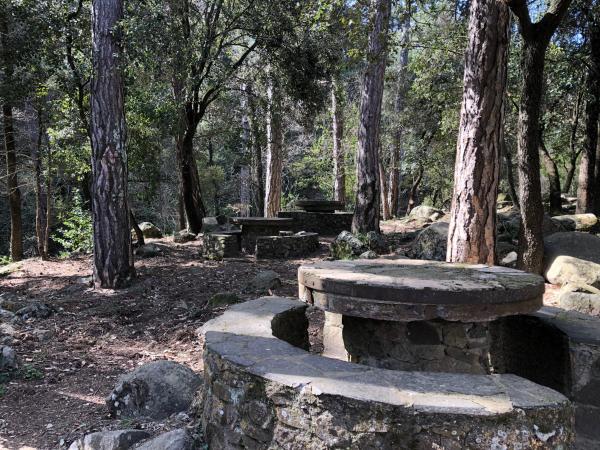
219, 246
274, 247
325, 224
262, 392
559, 349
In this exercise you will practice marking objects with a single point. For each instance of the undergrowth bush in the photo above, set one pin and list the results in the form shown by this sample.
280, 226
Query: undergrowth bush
75, 231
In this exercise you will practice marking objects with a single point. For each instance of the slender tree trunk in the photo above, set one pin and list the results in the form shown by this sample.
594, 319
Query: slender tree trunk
510, 176
366, 210
553, 180
180, 209
258, 186
472, 231
274, 152
40, 213
113, 257
339, 166
48, 203
412, 193
385, 207
211, 162
12, 184
573, 152
139, 234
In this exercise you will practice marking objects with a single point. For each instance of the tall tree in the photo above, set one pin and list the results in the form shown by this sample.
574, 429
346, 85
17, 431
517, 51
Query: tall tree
587, 187
274, 150
339, 169
113, 258
536, 37
472, 232
366, 209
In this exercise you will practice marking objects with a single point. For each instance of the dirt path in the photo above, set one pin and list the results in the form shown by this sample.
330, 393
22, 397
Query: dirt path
71, 360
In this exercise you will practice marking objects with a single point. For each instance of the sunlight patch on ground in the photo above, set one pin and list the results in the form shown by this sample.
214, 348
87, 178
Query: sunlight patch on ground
88, 398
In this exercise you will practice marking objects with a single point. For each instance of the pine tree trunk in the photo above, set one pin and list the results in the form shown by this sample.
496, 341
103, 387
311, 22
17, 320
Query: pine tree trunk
531, 245
48, 203
574, 153
12, 184
553, 180
339, 168
472, 231
587, 167
180, 209
139, 234
366, 210
113, 257
385, 207
412, 193
510, 176
273, 182
40, 210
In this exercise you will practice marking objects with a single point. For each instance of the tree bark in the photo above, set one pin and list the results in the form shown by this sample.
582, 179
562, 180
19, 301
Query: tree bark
536, 37
573, 151
339, 167
258, 186
366, 210
113, 257
190, 182
472, 231
12, 184
139, 234
274, 151
40, 205
510, 176
553, 180
385, 207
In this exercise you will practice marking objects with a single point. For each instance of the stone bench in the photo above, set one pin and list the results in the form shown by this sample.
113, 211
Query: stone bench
264, 390
286, 246
323, 223
221, 245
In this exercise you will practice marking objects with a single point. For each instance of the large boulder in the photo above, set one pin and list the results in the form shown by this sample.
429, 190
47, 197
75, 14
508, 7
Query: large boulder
148, 251
184, 236
577, 222
173, 440
263, 282
156, 390
109, 440
149, 230
584, 302
347, 246
424, 212
431, 242
576, 244
509, 224
8, 358
569, 270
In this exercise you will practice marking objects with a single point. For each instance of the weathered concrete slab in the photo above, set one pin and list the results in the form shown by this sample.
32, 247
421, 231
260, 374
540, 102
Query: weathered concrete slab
407, 290
261, 392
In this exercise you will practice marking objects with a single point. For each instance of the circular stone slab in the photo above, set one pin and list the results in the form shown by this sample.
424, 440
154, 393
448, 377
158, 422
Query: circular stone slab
408, 290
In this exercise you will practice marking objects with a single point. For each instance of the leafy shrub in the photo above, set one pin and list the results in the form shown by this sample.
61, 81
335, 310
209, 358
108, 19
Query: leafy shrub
75, 232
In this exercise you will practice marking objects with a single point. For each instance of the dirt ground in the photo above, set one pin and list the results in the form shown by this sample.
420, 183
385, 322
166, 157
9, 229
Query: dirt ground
70, 361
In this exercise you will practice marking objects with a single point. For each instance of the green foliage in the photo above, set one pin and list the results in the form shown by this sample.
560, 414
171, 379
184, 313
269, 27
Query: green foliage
75, 232
4, 260
29, 372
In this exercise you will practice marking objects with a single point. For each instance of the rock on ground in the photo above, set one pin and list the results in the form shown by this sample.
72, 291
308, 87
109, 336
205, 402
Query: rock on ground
432, 242
173, 440
577, 222
580, 301
156, 390
148, 251
567, 269
8, 358
576, 244
346, 245
184, 236
376, 242
149, 230
109, 440
35, 310
370, 254
264, 281
424, 212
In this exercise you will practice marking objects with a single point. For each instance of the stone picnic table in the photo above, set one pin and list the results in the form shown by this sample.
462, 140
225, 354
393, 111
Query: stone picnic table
253, 227
409, 290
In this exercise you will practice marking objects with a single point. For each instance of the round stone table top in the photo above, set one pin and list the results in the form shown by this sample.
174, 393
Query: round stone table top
320, 205
408, 290
262, 221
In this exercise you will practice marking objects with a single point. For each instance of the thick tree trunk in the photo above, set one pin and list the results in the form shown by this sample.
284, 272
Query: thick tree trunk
472, 231
412, 193
258, 186
385, 206
553, 180
190, 182
12, 184
339, 167
273, 182
366, 209
113, 257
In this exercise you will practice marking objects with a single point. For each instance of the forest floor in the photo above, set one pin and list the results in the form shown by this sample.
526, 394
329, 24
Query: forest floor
71, 360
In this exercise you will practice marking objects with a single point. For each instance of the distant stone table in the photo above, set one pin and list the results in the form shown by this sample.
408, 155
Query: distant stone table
327, 206
253, 227
415, 315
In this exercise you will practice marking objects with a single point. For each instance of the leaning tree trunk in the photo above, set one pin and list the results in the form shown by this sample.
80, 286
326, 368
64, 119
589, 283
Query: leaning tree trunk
366, 209
553, 180
274, 152
412, 192
339, 168
113, 258
472, 230
12, 185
